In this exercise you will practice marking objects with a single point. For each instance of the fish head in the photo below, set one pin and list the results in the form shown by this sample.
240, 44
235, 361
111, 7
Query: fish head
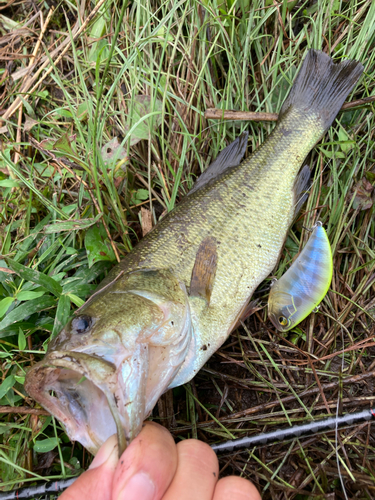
283, 309
108, 366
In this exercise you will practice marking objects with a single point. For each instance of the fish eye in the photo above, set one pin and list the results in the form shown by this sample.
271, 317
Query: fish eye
283, 321
81, 324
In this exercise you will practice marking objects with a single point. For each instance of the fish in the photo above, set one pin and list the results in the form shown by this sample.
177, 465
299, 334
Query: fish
174, 299
301, 289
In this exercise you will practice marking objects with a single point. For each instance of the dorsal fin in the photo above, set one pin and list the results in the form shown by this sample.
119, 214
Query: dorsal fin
204, 270
230, 156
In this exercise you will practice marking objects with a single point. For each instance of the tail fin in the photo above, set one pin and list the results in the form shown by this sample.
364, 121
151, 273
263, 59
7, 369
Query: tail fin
321, 86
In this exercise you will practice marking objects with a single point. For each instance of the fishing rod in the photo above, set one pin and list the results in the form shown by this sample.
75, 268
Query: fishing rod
296, 431
263, 439
29, 492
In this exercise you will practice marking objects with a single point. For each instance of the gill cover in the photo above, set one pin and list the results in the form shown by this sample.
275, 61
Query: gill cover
304, 285
107, 368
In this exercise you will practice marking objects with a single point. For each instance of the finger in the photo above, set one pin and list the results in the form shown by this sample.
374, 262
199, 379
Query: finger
235, 488
96, 482
147, 466
197, 472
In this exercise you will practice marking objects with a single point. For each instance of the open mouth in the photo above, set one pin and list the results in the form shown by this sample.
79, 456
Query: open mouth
80, 391
102, 376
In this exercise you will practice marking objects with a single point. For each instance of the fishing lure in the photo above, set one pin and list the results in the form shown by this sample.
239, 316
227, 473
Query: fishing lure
303, 286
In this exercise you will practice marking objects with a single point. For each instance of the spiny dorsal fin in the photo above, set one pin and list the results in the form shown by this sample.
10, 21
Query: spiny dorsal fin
204, 270
230, 156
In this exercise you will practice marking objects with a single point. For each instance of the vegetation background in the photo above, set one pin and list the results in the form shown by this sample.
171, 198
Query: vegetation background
104, 130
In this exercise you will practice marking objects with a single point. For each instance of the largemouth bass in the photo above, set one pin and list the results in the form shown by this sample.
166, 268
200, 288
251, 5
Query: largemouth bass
166, 308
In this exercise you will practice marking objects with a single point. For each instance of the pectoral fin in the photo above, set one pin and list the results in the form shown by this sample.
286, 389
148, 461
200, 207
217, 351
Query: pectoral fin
204, 270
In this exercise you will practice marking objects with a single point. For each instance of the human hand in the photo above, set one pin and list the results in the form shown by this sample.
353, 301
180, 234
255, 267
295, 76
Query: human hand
153, 467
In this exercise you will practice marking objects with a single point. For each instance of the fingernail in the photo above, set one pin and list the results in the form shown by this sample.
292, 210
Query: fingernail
138, 487
108, 453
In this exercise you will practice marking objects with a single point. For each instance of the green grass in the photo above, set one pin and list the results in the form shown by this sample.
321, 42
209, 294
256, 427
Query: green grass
185, 57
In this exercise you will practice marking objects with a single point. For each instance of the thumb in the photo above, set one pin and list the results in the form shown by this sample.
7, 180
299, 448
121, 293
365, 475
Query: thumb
96, 482
147, 466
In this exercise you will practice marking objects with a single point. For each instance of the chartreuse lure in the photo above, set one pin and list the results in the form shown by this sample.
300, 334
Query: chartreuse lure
304, 285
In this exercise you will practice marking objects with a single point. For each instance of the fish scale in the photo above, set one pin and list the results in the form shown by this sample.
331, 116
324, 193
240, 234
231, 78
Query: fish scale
163, 311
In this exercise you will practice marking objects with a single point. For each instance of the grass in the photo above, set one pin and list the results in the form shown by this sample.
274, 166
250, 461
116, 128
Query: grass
71, 201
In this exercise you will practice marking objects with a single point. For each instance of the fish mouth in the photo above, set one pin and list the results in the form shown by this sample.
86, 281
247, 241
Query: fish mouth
81, 391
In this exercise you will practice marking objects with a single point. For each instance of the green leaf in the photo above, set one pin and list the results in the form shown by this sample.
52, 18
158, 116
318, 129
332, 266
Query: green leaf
9, 183
46, 445
82, 111
141, 107
63, 145
75, 463
141, 194
26, 309
71, 225
62, 314
5, 304
63, 112
36, 277
97, 31
87, 274
332, 154
6, 385
76, 300
26, 295
79, 289
71, 251
21, 340
97, 245
9, 24
345, 143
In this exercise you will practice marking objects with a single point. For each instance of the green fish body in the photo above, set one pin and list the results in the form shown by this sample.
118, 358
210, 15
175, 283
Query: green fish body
201, 263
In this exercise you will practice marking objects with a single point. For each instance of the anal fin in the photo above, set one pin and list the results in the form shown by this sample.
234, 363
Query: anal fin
301, 188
